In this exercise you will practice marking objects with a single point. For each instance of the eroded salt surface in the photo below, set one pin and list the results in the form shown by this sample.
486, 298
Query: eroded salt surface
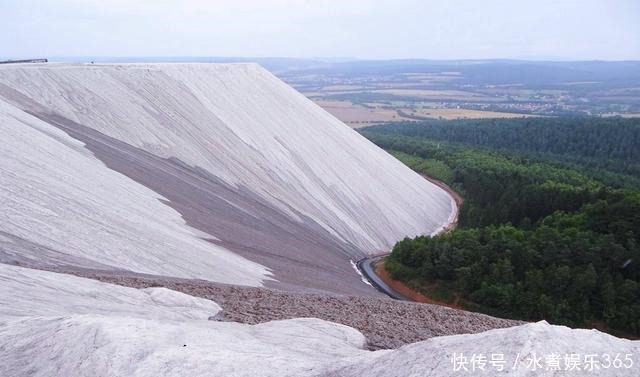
62, 206
96, 329
248, 128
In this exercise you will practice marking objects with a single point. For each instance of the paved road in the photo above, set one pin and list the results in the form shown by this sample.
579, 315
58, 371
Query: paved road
366, 265
366, 268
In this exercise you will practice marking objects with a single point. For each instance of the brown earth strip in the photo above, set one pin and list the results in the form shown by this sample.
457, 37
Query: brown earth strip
406, 291
401, 287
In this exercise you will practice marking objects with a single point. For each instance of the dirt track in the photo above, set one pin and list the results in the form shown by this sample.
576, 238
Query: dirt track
411, 294
454, 194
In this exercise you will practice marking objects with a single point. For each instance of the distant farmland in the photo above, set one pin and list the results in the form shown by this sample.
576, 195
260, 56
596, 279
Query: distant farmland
368, 92
362, 115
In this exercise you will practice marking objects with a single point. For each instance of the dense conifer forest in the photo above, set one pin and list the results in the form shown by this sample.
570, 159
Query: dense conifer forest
550, 226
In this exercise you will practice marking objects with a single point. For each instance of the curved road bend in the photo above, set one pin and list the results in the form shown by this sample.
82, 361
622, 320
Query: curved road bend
367, 265
367, 268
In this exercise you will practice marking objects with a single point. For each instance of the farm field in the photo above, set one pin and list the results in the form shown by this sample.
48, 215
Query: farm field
450, 114
362, 115
355, 115
370, 92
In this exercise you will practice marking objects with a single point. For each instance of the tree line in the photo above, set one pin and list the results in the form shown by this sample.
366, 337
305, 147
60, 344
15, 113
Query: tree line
599, 143
539, 238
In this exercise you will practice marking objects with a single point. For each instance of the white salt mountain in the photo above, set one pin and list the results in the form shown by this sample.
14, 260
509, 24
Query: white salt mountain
258, 169
216, 172
64, 207
59, 325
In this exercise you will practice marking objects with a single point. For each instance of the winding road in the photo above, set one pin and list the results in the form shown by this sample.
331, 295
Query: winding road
366, 266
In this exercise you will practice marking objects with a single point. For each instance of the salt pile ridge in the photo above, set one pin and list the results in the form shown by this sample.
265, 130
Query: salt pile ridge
258, 169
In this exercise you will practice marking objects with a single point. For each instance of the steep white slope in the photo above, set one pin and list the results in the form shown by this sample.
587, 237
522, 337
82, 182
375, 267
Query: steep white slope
98, 329
254, 132
59, 325
62, 206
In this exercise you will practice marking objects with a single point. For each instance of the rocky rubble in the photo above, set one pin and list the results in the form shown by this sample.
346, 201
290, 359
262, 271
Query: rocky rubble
386, 323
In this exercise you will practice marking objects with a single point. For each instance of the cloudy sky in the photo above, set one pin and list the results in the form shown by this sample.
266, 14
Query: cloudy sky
381, 29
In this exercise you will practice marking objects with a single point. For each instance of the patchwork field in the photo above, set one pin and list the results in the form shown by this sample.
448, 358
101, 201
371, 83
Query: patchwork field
355, 115
464, 114
362, 115
369, 92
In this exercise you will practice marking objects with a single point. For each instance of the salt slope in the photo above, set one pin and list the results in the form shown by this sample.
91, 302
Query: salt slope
62, 206
528, 350
54, 324
251, 130
98, 329
26, 292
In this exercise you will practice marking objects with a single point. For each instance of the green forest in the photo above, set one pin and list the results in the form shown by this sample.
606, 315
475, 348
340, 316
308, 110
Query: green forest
601, 147
545, 232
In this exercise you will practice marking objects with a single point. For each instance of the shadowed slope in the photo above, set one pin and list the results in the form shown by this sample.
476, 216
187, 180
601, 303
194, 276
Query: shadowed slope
244, 158
62, 207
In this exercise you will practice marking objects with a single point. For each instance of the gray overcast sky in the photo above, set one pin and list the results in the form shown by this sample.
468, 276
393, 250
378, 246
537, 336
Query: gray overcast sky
455, 29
